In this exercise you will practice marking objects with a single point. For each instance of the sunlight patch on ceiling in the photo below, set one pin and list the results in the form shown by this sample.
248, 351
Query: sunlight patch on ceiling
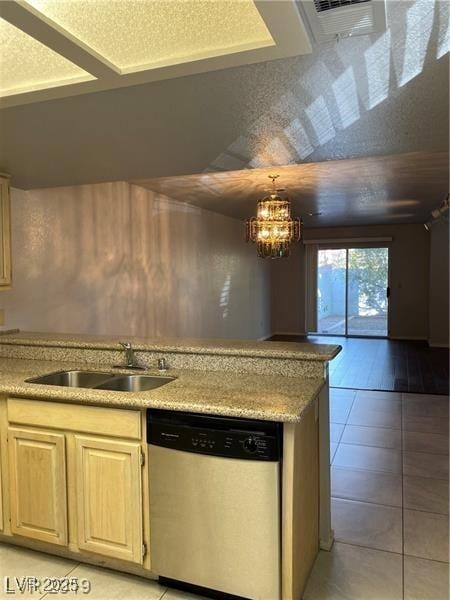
297, 136
444, 29
27, 65
135, 34
320, 119
377, 58
419, 23
346, 95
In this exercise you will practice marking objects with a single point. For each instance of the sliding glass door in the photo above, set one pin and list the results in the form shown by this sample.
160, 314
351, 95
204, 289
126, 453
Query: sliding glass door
367, 285
352, 291
331, 294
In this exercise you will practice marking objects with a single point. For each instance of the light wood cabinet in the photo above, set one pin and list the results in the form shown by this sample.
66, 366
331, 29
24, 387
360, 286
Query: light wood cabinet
5, 233
1, 492
38, 499
4, 468
76, 477
109, 497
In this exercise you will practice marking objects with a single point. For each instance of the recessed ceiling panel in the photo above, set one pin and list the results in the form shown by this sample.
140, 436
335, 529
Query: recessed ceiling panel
26, 64
136, 34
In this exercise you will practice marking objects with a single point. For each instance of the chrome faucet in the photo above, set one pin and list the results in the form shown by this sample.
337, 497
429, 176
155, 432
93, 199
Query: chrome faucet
130, 358
162, 364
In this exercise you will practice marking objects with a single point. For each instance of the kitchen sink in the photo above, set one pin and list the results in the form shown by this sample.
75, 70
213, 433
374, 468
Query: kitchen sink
102, 381
134, 383
79, 379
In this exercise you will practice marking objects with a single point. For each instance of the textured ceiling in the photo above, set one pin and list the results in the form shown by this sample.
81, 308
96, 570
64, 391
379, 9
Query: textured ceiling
133, 33
365, 96
134, 42
26, 63
384, 189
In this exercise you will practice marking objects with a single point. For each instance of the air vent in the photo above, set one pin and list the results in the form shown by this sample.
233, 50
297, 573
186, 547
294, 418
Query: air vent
322, 5
331, 19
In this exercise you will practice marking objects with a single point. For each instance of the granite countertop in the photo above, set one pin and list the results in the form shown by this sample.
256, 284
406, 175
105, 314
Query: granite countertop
267, 397
225, 347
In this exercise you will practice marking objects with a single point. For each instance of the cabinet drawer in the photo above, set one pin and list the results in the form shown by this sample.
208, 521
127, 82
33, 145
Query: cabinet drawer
73, 417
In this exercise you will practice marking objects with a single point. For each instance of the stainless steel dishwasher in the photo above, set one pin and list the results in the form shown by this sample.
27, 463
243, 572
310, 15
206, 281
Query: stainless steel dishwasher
215, 502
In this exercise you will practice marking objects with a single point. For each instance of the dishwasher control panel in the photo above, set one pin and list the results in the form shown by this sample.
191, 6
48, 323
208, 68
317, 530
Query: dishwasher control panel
216, 436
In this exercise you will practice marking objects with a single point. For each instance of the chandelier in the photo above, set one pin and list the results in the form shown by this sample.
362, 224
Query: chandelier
273, 229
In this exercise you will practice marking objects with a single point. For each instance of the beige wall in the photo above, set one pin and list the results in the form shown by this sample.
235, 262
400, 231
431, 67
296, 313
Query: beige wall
288, 292
439, 285
117, 259
409, 279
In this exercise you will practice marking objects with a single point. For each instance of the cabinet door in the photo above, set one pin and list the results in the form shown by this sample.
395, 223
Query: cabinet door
109, 497
38, 485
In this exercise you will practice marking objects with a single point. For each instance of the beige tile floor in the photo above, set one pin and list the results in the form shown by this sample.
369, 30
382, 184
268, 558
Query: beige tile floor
104, 584
390, 511
390, 506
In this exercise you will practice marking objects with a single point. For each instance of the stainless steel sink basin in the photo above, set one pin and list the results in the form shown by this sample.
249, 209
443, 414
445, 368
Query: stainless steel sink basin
102, 381
79, 379
134, 383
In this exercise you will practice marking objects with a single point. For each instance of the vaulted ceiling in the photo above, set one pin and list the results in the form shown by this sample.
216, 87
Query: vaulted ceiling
369, 96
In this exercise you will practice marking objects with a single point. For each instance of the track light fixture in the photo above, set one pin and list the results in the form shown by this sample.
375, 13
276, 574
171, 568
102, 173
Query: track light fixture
438, 214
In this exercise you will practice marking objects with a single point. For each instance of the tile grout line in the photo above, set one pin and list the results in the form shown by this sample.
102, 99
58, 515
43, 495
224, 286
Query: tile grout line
369, 427
446, 435
72, 569
398, 449
351, 408
342, 432
366, 502
353, 468
353, 443
428, 512
434, 560
345, 425
370, 548
370, 445
66, 575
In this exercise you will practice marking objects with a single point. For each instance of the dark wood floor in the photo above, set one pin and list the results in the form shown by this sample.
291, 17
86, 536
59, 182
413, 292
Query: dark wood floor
380, 364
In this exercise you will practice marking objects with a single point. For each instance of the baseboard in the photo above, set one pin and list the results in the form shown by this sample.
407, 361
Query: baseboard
327, 544
412, 338
437, 344
264, 338
302, 333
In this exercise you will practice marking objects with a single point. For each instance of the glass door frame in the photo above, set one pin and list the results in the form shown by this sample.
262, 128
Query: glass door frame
311, 289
